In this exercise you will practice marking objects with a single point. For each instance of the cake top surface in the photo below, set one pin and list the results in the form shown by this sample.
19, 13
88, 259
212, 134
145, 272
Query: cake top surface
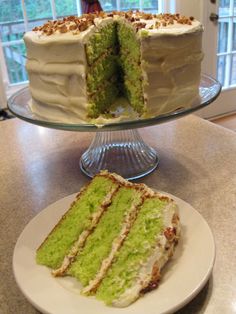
145, 24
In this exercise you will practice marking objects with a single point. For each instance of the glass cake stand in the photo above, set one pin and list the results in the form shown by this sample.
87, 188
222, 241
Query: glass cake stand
117, 147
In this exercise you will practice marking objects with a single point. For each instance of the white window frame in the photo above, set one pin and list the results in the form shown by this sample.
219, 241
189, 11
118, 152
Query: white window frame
6, 88
225, 104
229, 53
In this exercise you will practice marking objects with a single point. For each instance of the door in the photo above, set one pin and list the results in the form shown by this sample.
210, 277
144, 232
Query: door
219, 18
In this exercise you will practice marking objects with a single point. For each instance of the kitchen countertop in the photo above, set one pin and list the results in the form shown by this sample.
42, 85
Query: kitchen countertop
197, 164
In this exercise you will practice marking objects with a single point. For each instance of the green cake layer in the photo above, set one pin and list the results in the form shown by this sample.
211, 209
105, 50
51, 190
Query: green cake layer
99, 243
101, 71
103, 98
104, 38
130, 66
51, 253
137, 247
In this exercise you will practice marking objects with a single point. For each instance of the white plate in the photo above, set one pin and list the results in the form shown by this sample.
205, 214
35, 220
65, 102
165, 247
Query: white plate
182, 279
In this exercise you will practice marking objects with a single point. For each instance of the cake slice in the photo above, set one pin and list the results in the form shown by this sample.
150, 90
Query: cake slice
146, 249
115, 239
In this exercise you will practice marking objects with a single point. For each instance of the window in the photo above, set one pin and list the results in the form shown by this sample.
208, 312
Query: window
226, 56
125, 5
19, 16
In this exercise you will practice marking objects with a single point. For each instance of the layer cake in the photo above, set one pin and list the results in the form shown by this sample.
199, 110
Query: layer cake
79, 67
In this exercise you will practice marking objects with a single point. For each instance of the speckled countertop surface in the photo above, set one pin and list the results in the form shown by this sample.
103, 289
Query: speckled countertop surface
197, 163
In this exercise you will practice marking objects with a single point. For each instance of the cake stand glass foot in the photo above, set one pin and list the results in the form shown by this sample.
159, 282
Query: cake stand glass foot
123, 152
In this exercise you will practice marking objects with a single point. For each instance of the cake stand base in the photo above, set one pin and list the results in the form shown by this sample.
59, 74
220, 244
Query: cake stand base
123, 152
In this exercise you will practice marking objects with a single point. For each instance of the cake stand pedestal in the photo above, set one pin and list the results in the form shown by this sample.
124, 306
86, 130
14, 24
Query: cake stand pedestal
116, 147
123, 152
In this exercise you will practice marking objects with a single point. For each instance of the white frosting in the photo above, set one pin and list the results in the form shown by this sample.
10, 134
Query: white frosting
175, 29
172, 66
57, 68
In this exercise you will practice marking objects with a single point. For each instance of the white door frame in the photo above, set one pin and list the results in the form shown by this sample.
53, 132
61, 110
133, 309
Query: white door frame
226, 103
201, 9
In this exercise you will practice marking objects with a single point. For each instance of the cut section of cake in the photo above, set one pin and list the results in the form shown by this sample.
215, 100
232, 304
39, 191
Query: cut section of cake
115, 239
130, 62
102, 80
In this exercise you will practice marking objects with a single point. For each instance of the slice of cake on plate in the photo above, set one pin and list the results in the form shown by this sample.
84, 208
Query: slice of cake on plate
115, 239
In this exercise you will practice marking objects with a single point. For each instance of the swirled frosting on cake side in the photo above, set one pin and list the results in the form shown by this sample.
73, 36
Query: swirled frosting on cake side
74, 64
172, 67
57, 68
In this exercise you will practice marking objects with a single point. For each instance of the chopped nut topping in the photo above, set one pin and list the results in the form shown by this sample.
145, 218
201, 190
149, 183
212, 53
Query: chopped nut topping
139, 25
75, 25
83, 26
147, 16
157, 24
63, 29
